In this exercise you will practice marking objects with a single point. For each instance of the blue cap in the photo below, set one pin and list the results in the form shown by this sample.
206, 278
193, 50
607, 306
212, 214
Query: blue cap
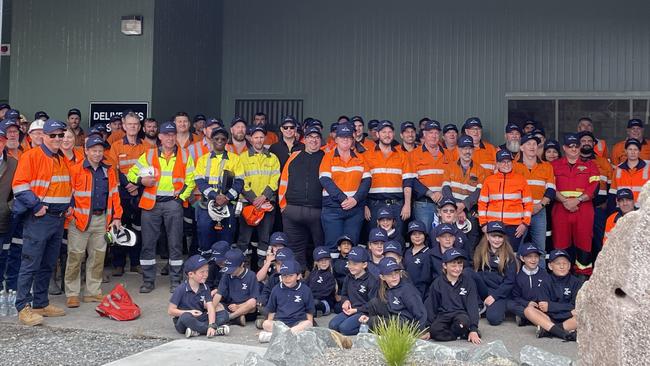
504, 154
384, 213
115, 118
358, 254
449, 127
539, 131
199, 117
623, 193
373, 124
405, 125
356, 119
333, 127
385, 124
377, 234
431, 125
284, 254
496, 227
558, 253
213, 121
219, 131
4, 106
256, 128
528, 248
582, 134
279, 238
451, 254
447, 201
634, 142
237, 119
472, 122
289, 119
530, 122
94, 140
343, 130
444, 228
234, 259
528, 137
6, 123
388, 265
167, 127
416, 225
194, 262
635, 122
98, 128
12, 114
465, 141
219, 250
74, 111
3, 132
571, 139
320, 253
314, 123
313, 129
511, 126
41, 115
289, 267
393, 246
343, 238
552, 144
52, 125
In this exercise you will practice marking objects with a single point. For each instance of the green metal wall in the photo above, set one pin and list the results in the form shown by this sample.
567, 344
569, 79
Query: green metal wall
4, 61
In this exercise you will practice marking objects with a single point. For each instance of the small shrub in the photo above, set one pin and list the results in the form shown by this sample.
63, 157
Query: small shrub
396, 339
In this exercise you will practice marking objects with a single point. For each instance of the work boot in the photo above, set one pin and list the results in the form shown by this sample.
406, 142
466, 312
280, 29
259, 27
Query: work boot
118, 271
95, 298
49, 311
72, 302
28, 317
146, 287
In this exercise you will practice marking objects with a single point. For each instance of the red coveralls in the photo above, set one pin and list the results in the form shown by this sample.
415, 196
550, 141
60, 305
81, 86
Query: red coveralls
575, 228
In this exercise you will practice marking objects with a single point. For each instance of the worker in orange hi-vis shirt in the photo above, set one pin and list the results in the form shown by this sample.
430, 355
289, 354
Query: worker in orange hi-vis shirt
600, 148
625, 203
361, 141
512, 140
634, 131
238, 129
260, 119
116, 129
408, 134
484, 152
633, 173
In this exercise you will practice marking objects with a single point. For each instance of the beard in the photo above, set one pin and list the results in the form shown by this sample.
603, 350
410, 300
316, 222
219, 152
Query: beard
513, 146
151, 135
586, 150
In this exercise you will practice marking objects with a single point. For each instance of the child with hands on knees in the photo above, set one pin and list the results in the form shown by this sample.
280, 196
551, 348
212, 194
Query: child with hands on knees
238, 289
322, 283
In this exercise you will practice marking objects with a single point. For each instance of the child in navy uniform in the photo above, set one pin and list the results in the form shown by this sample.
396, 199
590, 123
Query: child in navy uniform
281, 255
529, 282
218, 256
321, 282
495, 269
277, 240
447, 214
386, 221
395, 297
444, 239
555, 314
238, 289
417, 258
191, 304
376, 240
344, 244
452, 304
291, 302
358, 289
393, 249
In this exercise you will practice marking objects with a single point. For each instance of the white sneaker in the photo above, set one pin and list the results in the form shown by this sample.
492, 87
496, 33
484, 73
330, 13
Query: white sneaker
222, 330
190, 333
265, 337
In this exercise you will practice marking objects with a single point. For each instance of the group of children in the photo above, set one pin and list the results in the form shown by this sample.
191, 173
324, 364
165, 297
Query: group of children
431, 280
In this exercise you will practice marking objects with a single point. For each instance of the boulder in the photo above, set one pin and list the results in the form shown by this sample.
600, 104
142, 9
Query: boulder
613, 307
533, 356
253, 359
331, 338
364, 340
493, 353
436, 352
286, 348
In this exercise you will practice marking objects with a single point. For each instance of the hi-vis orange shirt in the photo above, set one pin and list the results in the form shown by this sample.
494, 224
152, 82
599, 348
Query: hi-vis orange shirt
619, 156
82, 184
485, 155
632, 178
541, 179
390, 174
124, 155
464, 186
506, 198
342, 179
430, 170
601, 149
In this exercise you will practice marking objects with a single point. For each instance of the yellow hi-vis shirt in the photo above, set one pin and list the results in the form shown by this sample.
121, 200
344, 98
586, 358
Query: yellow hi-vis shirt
165, 186
261, 174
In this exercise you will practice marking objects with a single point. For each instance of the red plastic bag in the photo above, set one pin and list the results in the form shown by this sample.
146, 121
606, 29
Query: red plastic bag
118, 305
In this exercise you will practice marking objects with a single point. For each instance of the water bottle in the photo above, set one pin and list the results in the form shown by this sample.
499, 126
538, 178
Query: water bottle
11, 304
363, 328
3, 303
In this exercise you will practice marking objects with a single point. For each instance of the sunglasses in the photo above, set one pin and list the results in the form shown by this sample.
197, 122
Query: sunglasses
288, 127
55, 135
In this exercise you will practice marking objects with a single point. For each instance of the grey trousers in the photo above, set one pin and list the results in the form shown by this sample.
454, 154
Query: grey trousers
171, 213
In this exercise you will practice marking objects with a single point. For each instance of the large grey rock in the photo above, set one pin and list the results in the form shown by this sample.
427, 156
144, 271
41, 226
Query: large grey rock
437, 352
533, 356
325, 335
613, 307
287, 348
492, 353
364, 340
253, 359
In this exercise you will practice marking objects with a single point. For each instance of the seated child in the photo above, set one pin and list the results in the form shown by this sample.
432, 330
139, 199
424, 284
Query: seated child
555, 313
393, 249
218, 256
291, 303
529, 282
321, 282
452, 303
281, 255
191, 304
386, 220
344, 244
417, 258
277, 240
358, 289
376, 239
444, 238
238, 289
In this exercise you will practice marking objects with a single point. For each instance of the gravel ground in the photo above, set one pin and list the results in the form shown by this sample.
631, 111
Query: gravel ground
20, 345
369, 357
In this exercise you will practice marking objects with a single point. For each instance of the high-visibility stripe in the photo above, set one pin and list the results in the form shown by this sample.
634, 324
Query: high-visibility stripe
483, 199
430, 171
176, 262
550, 186
325, 174
386, 171
459, 196
489, 167
261, 252
526, 200
250, 173
187, 219
83, 211
164, 193
386, 190
505, 196
535, 182
165, 173
39, 183
128, 162
50, 199
594, 178
366, 175
573, 194
6, 246
82, 193
602, 192
346, 169
60, 178
148, 195
18, 241
435, 188
348, 193
147, 262
467, 187
409, 175
507, 215
21, 188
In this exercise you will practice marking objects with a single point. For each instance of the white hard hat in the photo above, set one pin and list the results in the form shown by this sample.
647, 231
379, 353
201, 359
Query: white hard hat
36, 125
122, 237
147, 171
217, 213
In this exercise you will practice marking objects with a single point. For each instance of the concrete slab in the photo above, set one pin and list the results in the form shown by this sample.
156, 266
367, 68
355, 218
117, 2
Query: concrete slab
190, 352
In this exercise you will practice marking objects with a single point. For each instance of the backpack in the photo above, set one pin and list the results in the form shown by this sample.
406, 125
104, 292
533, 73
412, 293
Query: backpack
118, 305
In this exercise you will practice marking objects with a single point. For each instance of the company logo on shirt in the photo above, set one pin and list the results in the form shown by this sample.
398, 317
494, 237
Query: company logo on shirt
463, 291
320, 279
298, 298
362, 289
567, 291
582, 167
497, 260
244, 286
396, 301
202, 298
539, 282
417, 261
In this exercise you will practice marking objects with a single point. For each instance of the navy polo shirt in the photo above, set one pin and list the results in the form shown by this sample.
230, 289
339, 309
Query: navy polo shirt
99, 195
186, 299
360, 290
291, 305
238, 289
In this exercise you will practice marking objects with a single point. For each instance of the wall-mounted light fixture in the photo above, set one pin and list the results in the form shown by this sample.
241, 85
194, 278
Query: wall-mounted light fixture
132, 25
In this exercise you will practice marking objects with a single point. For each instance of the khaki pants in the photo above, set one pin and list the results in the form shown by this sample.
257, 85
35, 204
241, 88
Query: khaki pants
92, 242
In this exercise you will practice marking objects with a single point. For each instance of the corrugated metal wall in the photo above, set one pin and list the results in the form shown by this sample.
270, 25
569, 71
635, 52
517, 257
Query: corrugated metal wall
448, 60
4, 60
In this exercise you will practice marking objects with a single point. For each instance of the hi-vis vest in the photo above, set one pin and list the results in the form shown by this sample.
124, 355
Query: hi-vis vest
178, 173
82, 185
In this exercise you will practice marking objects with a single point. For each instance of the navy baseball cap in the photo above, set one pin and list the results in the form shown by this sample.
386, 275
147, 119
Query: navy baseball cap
52, 125
167, 127
199, 117
357, 119
504, 154
115, 118
314, 123
407, 124
449, 127
289, 267
384, 213
289, 120
393, 246
6, 123
278, 238
213, 121
530, 122
12, 114
41, 115
4, 106
343, 238
552, 144
256, 128
496, 227
74, 111
284, 254
358, 254
634, 123
558, 253
234, 259
528, 248
333, 127
236, 120
343, 130
219, 250
388, 265
472, 122
416, 225
385, 124
528, 137
98, 128
631, 141
510, 126
444, 228
451, 254
312, 130
465, 141
377, 234
321, 253
94, 140
373, 124
539, 131
571, 139
431, 125
447, 201
194, 262
582, 134
624, 193
219, 131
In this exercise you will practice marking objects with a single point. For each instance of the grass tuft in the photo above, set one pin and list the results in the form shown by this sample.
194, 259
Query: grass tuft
396, 339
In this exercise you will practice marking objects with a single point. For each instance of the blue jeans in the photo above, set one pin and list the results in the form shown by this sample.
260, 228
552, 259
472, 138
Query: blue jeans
207, 235
41, 245
425, 212
537, 234
346, 325
337, 222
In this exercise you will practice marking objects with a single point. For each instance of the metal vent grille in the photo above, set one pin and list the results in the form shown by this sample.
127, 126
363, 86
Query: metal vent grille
275, 109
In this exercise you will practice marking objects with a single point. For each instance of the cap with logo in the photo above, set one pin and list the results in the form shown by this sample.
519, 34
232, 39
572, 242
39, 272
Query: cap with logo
405, 125
384, 213
199, 117
94, 140
503, 155
510, 127
447, 201
289, 267
256, 128
321, 253
430, 125
213, 121
284, 254
472, 122
623, 193
633, 141
555, 254
343, 238
635, 122
12, 114
358, 254
219, 250
451, 254
373, 124
115, 118
571, 139
219, 131
313, 130
74, 111
444, 228
529, 137
167, 127
278, 238
465, 141
393, 246
449, 127
496, 227
388, 265
377, 234
529, 248
416, 225
194, 262
234, 259
52, 125
236, 120
343, 130
41, 115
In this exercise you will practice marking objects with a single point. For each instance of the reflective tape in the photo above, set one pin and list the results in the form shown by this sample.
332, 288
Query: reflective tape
176, 262
347, 169
50, 199
386, 171
147, 262
386, 190
430, 171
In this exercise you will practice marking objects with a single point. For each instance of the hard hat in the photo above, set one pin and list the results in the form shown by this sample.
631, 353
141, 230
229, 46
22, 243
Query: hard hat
254, 215
122, 237
147, 171
217, 213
